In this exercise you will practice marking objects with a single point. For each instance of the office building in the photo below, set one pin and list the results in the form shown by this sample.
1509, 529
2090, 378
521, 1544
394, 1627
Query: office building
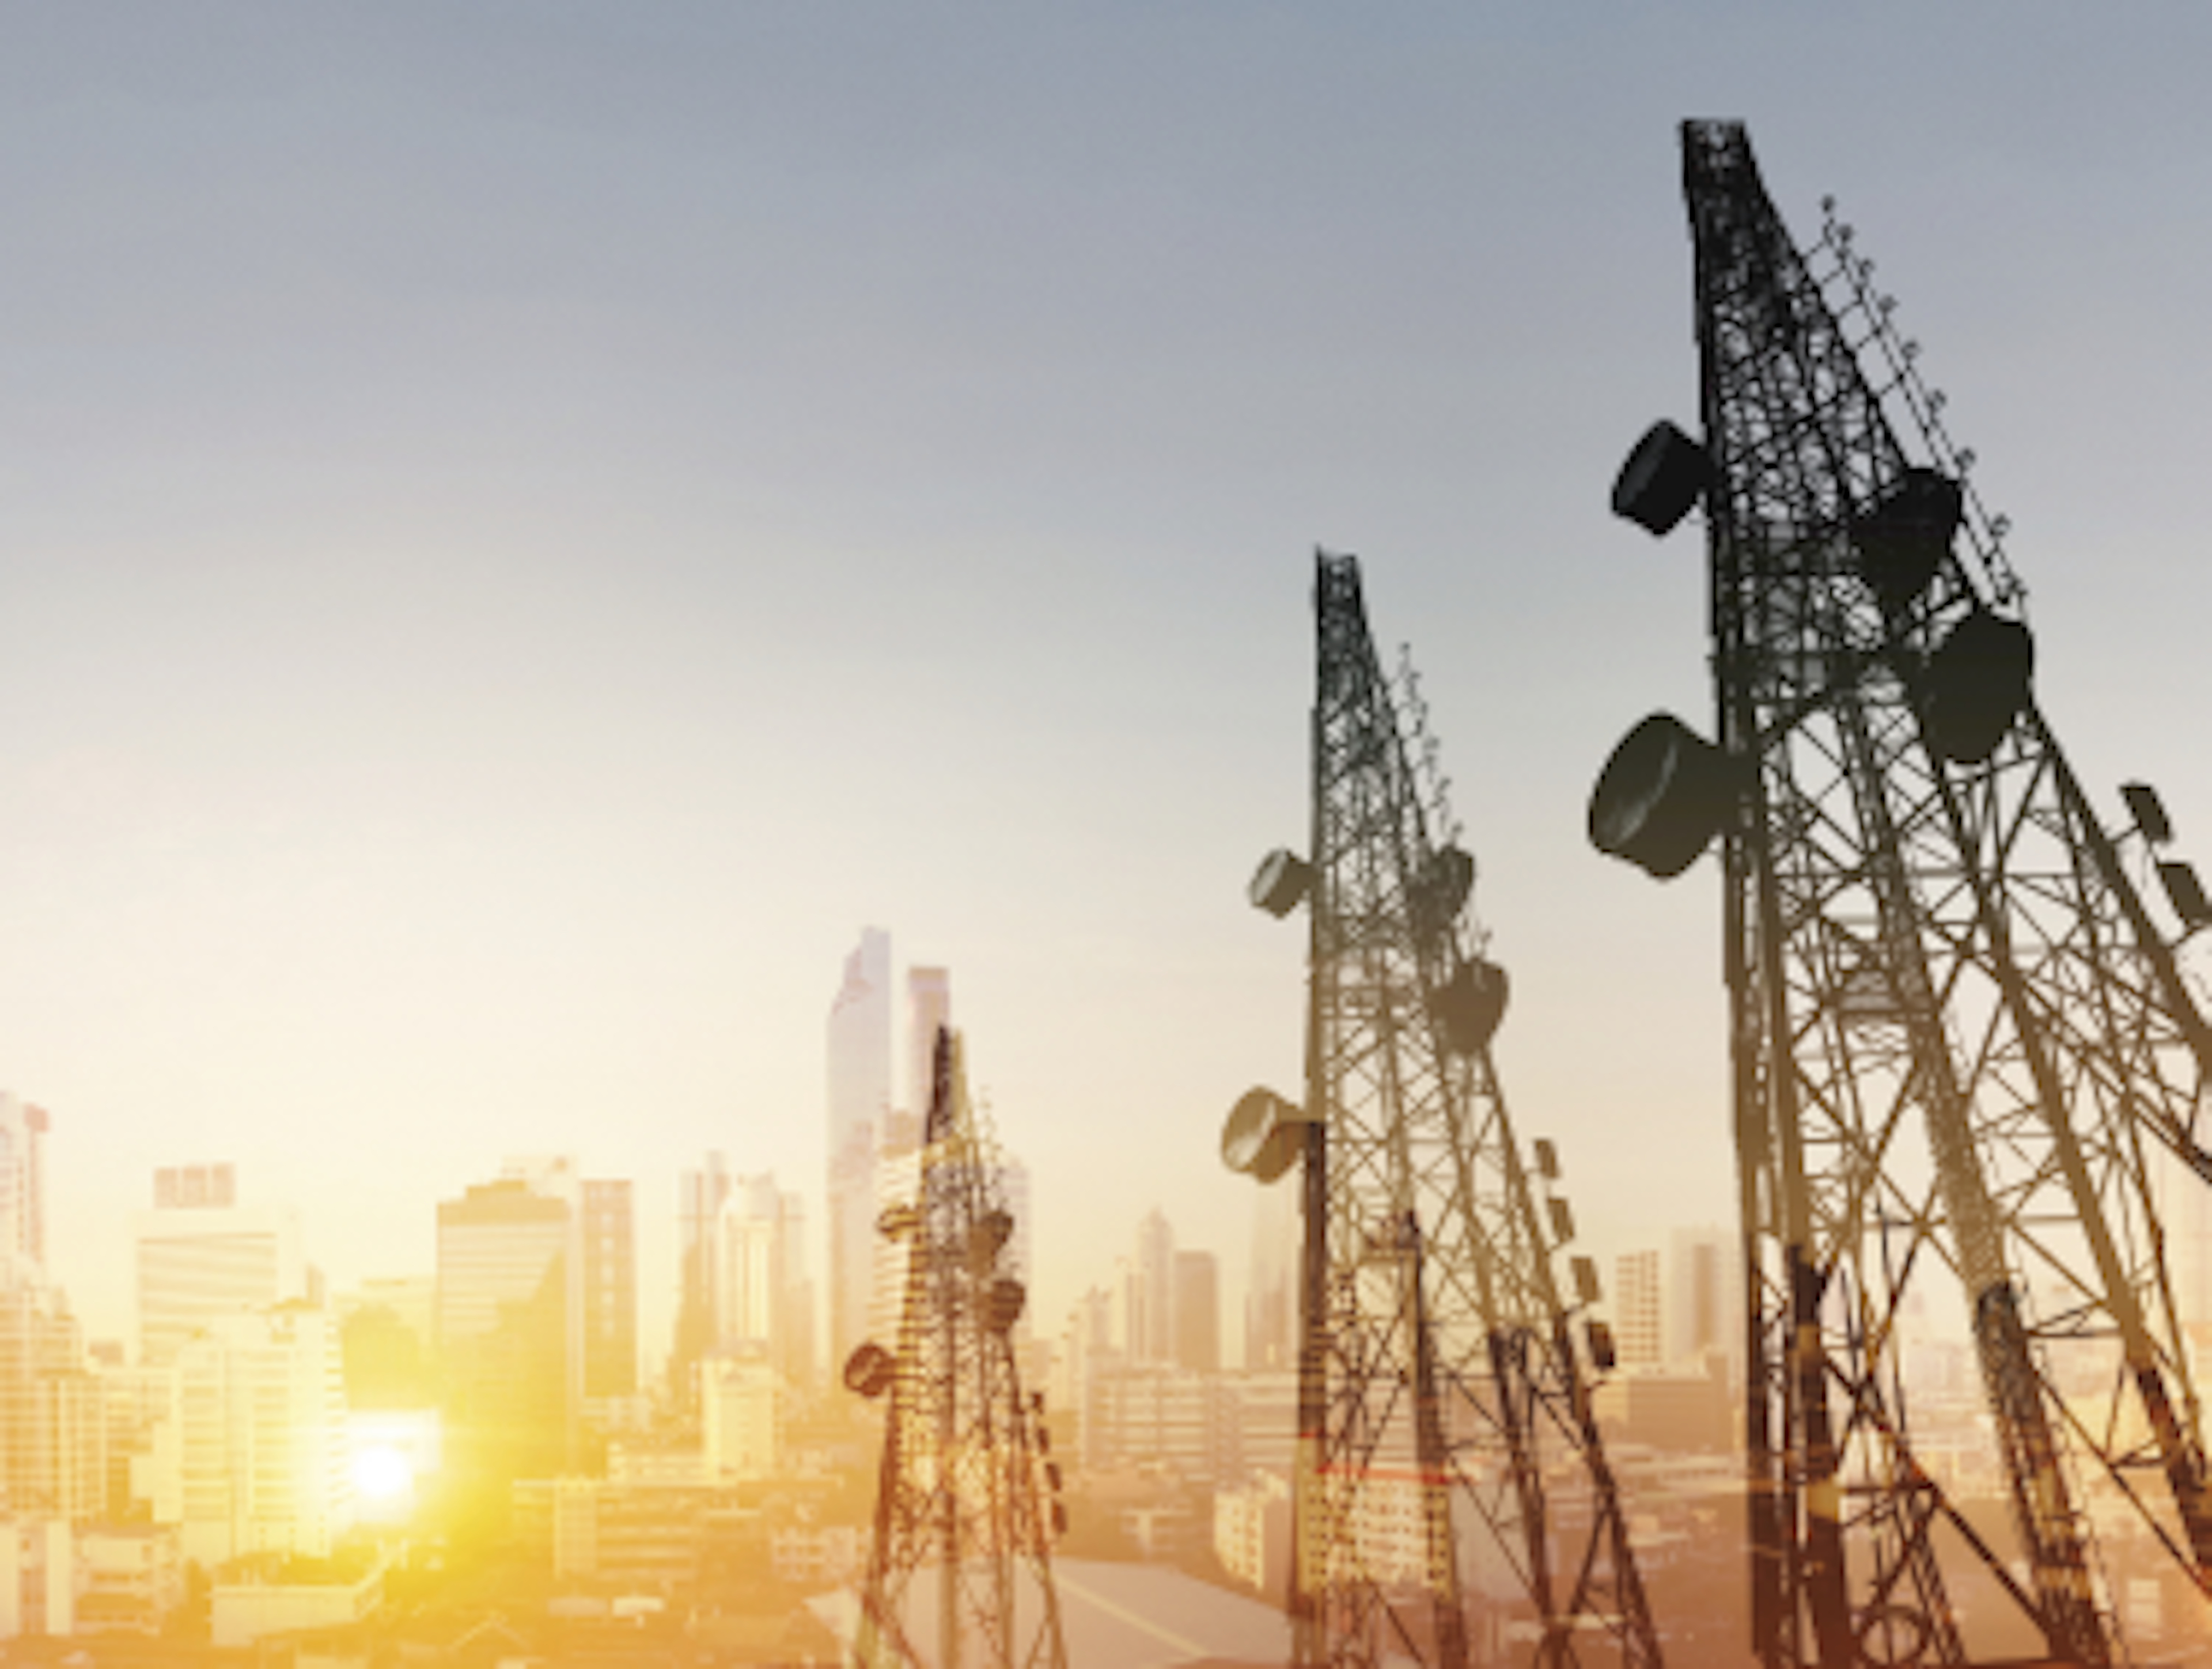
1197, 1312
859, 1064
23, 1187
1148, 1305
52, 1425
254, 1455
699, 1197
765, 1302
1636, 1324
52, 1436
1271, 1301
1704, 1318
609, 1297
929, 1012
740, 1404
201, 1254
507, 1309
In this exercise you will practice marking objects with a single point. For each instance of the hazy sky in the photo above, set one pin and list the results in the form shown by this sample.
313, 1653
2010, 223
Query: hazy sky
524, 526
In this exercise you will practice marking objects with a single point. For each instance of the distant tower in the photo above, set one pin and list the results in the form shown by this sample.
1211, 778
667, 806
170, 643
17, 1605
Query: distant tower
1271, 1300
1637, 1311
609, 1277
765, 1297
929, 1012
1198, 1312
1704, 1307
1442, 1390
860, 1066
966, 1492
1152, 1291
50, 1431
699, 1196
22, 1186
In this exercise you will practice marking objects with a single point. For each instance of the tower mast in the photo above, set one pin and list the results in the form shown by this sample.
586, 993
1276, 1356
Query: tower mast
966, 1488
1440, 1381
1963, 1063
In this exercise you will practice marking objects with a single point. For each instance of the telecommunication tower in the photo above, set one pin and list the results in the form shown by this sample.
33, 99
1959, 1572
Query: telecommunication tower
1964, 1064
1442, 1386
968, 1490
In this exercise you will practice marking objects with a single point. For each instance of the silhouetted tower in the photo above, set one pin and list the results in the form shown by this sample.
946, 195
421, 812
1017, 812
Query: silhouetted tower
1440, 1384
1963, 1062
967, 1489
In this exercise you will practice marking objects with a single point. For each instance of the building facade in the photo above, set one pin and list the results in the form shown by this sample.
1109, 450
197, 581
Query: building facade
860, 1092
200, 1255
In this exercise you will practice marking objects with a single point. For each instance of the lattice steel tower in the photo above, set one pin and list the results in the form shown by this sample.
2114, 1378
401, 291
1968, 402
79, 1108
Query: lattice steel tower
1964, 1066
967, 1489
1444, 1417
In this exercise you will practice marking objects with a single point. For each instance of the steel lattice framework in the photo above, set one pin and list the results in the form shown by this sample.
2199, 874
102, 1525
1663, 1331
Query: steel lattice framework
1964, 1064
1440, 1384
966, 1490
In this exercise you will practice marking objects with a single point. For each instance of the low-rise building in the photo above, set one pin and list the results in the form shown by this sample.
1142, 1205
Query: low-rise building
243, 1611
130, 1578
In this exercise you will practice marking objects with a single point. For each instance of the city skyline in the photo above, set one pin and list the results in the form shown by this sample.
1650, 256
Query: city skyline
522, 542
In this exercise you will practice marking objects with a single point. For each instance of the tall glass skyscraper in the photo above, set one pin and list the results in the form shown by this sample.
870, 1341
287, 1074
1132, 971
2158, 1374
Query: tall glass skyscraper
859, 1067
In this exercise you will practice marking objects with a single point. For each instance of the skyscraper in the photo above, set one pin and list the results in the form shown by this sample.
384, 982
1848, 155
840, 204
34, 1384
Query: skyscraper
255, 1457
766, 1300
1637, 1320
609, 1277
699, 1197
1271, 1298
505, 1300
51, 1454
1150, 1305
929, 1012
22, 1185
201, 1254
1197, 1312
860, 1064
1704, 1305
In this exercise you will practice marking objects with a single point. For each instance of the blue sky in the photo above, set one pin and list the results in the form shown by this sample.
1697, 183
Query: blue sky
522, 528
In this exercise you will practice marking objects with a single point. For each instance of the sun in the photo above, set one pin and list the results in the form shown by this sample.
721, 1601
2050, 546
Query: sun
382, 1473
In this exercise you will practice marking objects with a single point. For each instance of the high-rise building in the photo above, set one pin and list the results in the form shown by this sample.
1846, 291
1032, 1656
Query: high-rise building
766, 1301
1149, 1306
253, 1456
23, 1186
609, 1277
929, 1012
52, 1437
1271, 1298
1636, 1308
201, 1254
506, 1304
1703, 1317
699, 1197
859, 1064
1197, 1312
53, 1433
741, 1401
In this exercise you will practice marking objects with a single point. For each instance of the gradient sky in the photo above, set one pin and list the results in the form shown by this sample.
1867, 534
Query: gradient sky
524, 526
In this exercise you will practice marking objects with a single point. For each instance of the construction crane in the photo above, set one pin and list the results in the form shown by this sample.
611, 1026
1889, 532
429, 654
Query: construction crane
968, 1488
1450, 1476
1965, 1064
